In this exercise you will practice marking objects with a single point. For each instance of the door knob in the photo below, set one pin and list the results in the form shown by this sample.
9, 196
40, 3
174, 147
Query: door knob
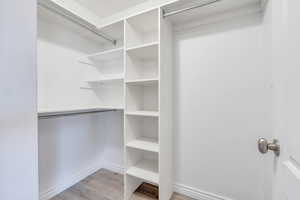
264, 146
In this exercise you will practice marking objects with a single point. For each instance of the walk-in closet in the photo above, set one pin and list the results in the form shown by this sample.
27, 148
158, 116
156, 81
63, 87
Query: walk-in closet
109, 78
149, 99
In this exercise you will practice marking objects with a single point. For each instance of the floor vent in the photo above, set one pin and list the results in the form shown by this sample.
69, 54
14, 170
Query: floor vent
148, 190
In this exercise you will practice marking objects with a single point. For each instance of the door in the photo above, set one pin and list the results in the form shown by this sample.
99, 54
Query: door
18, 119
286, 74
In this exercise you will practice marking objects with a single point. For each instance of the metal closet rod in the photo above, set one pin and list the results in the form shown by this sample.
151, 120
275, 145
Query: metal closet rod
46, 116
90, 27
171, 13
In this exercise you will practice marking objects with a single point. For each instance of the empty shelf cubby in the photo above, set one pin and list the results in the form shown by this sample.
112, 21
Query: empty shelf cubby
142, 133
142, 29
142, 97
142, 63
142, 165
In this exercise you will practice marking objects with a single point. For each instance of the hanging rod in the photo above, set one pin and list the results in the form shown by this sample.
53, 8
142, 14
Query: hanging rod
46, 115
171, 13
76, 20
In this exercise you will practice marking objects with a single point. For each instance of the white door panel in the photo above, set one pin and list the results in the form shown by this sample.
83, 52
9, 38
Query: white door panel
292, 180
286, 65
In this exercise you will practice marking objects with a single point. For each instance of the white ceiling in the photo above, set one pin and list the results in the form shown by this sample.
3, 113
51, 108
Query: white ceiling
105, 8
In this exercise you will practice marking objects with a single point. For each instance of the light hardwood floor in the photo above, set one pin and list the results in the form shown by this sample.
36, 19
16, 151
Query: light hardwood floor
103, 185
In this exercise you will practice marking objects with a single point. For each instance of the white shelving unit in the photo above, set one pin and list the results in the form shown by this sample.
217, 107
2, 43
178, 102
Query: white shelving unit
135, 75
104, 70
148, 103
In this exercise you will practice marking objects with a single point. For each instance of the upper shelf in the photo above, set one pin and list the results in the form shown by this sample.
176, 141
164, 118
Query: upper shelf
103, 56
105, 79
143, 113
145, 51
146, 144
142, 81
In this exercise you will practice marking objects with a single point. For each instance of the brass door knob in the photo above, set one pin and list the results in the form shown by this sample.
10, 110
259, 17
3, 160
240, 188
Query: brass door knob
264, 146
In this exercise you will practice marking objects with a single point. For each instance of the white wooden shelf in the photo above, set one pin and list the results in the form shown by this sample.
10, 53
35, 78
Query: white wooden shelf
103, 56
146, 170
107, 79
99, 84
143, 46
143, 113
149, 81
147, 51
147, 144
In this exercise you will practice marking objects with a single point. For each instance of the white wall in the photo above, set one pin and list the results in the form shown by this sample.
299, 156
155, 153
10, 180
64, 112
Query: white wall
73, 147
18, 94
112, 157
222, 105
60, 75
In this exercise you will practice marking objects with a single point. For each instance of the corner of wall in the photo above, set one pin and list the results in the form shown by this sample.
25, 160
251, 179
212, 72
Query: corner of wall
68, 182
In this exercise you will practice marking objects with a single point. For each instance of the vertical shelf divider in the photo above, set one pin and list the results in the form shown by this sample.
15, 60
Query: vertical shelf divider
165, 108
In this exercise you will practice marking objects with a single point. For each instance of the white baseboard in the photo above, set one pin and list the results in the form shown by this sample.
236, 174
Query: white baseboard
196, 193
179, 188
70, 181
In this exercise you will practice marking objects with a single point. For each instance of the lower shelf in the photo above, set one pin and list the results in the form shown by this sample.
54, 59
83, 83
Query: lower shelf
117, 78
143, 113
146, 170
143, 143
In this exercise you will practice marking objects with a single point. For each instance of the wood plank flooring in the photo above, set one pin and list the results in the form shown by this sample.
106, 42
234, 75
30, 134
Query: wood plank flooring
103, 185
